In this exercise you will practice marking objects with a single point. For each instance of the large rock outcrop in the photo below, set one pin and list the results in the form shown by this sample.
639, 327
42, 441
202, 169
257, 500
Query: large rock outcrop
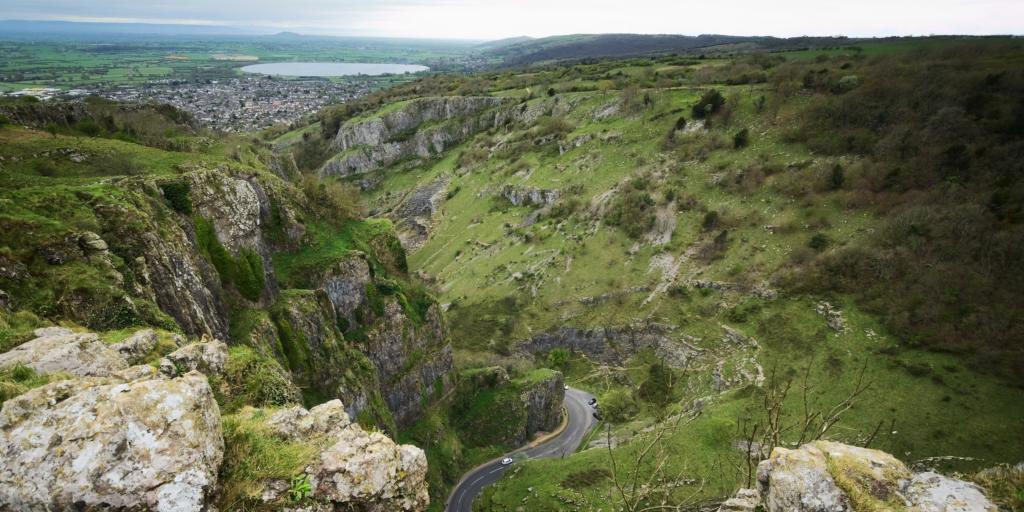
826, 476
413, 359
543, 400
60, 350
111, 443
352, 469
615, 344
168, 267
370, 144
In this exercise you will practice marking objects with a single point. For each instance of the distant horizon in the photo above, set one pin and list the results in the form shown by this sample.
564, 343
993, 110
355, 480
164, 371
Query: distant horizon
252, 30
501, 19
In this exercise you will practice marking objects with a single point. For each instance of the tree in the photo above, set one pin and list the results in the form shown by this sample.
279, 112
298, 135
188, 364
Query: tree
656, 389
558, 358
709, 103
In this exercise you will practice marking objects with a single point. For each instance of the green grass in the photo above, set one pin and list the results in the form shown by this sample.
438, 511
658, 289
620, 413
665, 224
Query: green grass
253, 456
327, 244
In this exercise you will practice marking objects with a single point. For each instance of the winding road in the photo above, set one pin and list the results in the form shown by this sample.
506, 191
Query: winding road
581, 420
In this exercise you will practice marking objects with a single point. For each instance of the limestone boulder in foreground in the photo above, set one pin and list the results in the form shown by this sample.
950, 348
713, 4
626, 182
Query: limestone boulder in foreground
134, 441
353, 469
825, 476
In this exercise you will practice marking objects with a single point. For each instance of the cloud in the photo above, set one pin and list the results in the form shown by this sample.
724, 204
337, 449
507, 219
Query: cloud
489, 19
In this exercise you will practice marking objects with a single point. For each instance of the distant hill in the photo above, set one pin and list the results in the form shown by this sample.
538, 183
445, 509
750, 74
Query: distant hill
499, 43
584, 46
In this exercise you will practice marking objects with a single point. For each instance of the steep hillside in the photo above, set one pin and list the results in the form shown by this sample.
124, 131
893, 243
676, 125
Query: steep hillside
315, 303
693, 239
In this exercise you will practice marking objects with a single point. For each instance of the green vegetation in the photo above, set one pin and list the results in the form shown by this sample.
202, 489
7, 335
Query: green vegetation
18, 379
71, 63
252, 456
739, 192
244, 272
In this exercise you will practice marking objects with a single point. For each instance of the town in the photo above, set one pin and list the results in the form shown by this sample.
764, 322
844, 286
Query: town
249, 102
240, 104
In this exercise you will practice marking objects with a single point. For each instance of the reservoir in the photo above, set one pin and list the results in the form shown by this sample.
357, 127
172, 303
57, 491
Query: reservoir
331, 68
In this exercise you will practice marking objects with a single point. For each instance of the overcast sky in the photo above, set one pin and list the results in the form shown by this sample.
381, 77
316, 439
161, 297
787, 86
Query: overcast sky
493, 19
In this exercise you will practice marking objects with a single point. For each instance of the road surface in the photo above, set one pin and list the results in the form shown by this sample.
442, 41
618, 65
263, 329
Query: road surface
581, 420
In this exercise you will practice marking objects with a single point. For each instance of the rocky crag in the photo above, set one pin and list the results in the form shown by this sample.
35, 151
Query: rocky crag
834, 477
106, 435
420, 128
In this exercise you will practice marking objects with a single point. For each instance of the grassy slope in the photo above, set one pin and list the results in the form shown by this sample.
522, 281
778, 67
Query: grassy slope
930, 404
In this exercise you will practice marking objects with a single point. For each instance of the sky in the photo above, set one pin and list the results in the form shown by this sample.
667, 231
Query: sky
495, 19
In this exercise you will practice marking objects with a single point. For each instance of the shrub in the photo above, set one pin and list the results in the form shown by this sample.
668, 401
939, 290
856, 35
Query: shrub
657, 388
618, 406
88, 127
177, 195
740, 139
558, 358
253, 379
708, 104
836, 177
818, 242
711, 220
334, 199
633, 212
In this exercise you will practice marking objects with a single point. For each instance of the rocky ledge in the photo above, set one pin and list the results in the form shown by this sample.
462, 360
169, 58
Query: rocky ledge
109, 436
825, 476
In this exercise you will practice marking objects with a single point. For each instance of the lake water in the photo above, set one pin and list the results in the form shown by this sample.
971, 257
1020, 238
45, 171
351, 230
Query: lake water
331, 68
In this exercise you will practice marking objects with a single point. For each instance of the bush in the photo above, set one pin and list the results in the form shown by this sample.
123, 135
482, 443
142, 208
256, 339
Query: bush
177, 195
819, 242
741, 139
558, 358
633, 212
711, 220
657, 388
710, 103
618, 406
334, 199
253, 379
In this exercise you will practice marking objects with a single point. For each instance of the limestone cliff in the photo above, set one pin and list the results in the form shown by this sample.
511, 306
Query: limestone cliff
370, 144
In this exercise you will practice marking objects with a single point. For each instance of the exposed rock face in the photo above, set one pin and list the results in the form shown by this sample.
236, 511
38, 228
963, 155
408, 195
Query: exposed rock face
345, 284
833, 315
135, 347
745, 500
355, 470
238, 209
613, 345
111, 444
932, 492
316, 353
544, 404
825, 476
522, 196
377, 142
410, 359
59, 350
415, 216
207, 357
179, 280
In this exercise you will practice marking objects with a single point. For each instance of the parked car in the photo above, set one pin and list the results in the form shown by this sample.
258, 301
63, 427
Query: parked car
592, 401
506, 461
597, 416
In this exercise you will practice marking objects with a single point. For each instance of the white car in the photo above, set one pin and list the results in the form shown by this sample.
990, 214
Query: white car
506, 461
